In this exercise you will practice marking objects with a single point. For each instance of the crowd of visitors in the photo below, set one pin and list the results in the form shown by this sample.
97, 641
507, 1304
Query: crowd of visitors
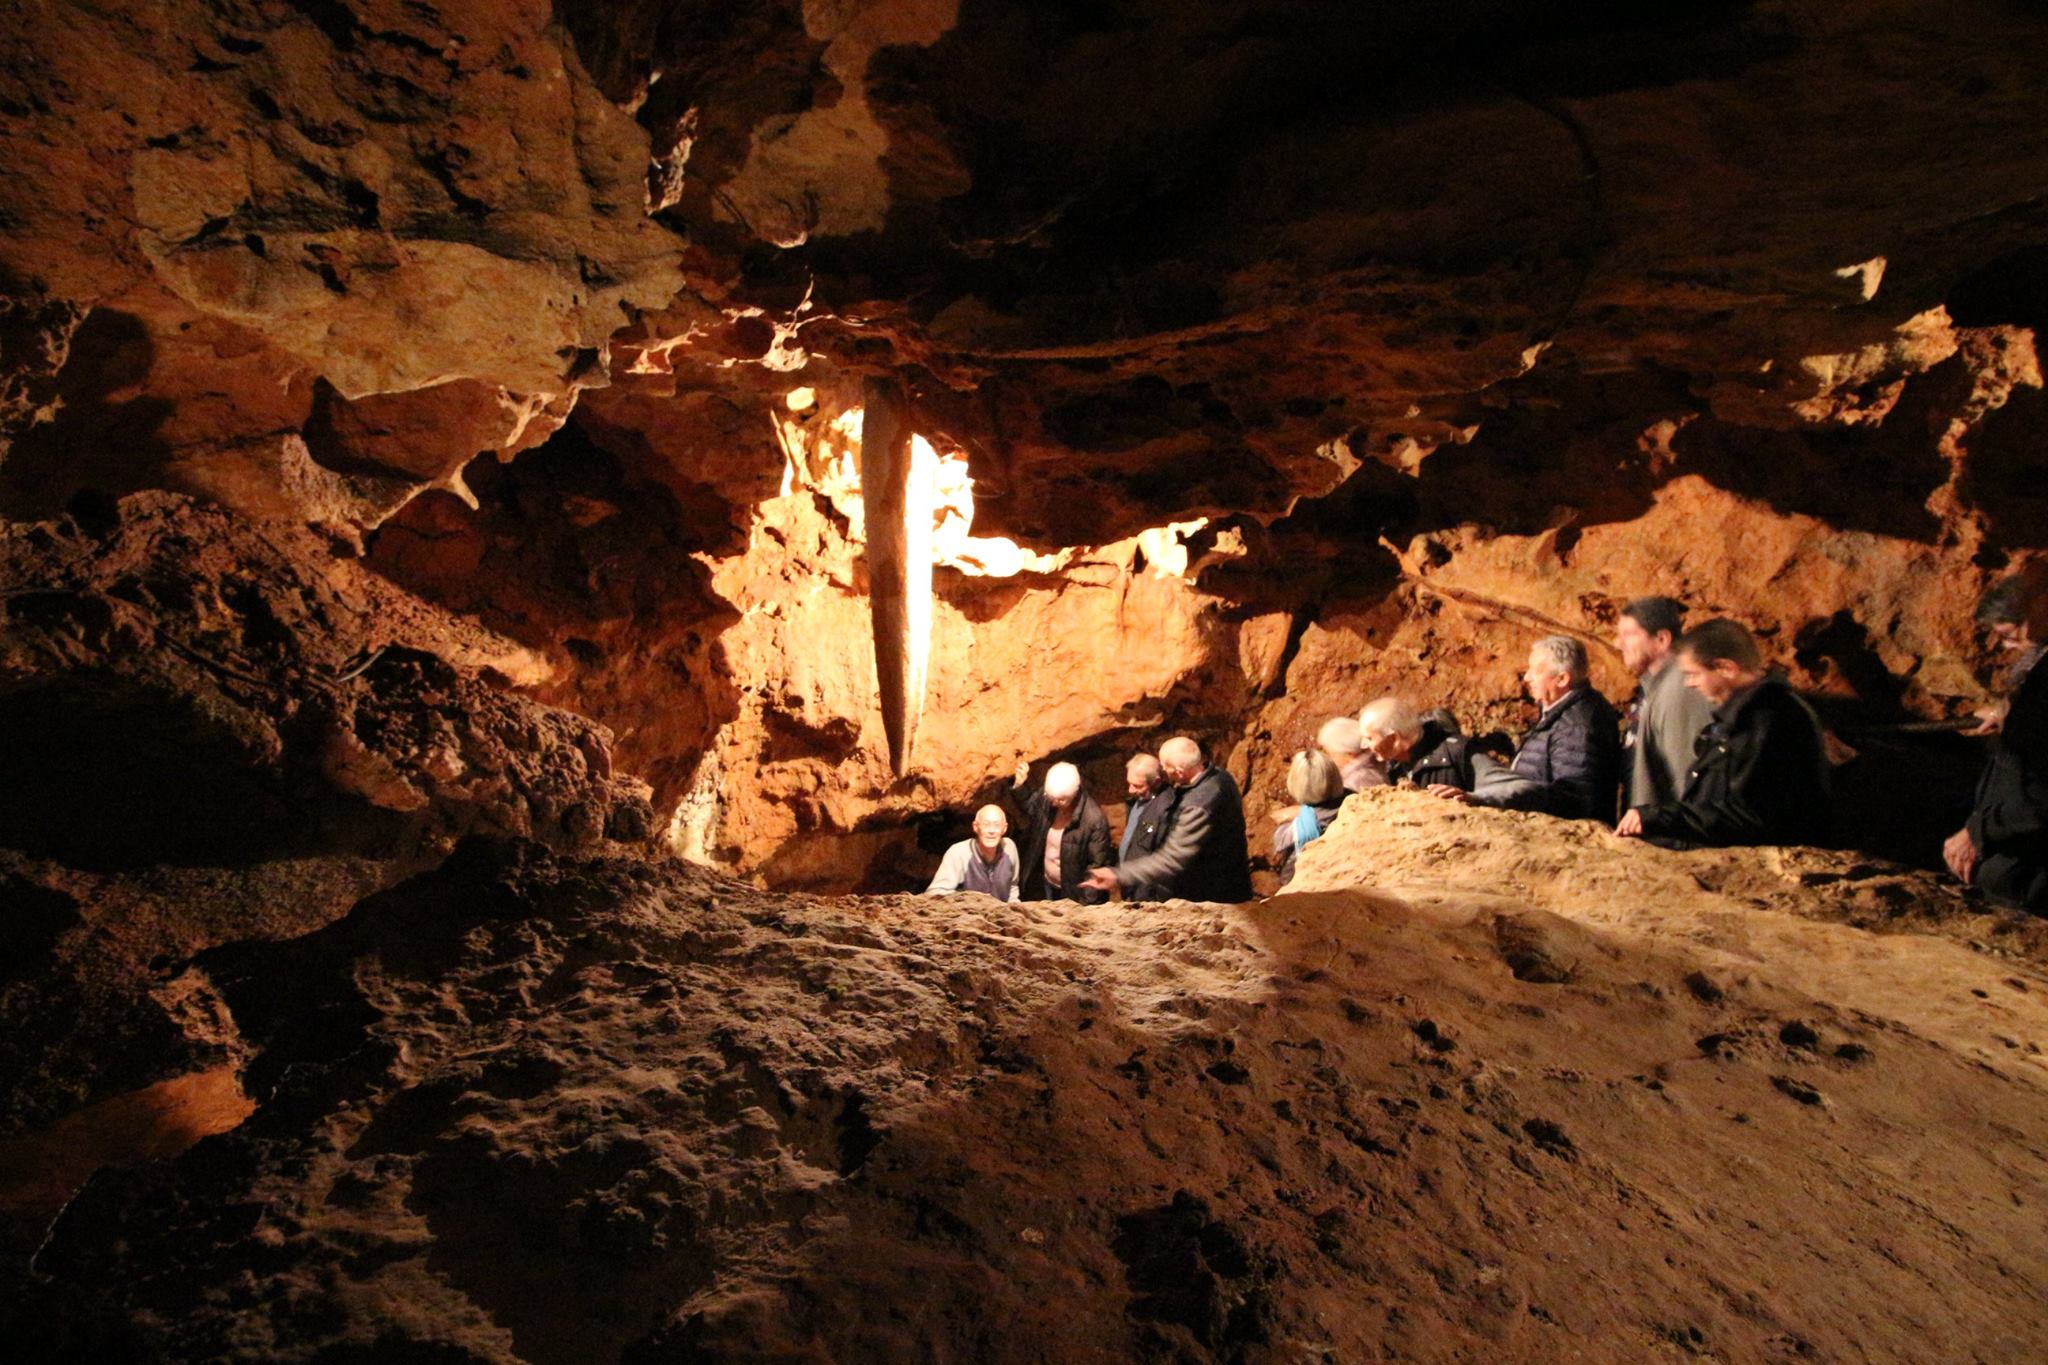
1715, 750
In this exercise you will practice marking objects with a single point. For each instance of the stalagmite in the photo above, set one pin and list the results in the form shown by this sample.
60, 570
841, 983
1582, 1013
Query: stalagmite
899, 559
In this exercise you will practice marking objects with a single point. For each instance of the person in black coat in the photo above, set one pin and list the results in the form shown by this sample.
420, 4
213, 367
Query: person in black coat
1425, 750
1760, 768
1569, 764
1062, 808
2003, 847
1145, 819
1203, 855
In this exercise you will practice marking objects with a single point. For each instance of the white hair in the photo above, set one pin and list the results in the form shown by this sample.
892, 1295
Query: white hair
1062, 780
1564, 654
1391, 715
1340, 734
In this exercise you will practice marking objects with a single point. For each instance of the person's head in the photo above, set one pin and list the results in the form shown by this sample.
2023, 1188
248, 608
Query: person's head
1388, 728
1646, 630
1312, 779
1719, 658
1341, 739
1143, 776
1557, 664
1062, 785
2014, 612
990, 825
1182, 760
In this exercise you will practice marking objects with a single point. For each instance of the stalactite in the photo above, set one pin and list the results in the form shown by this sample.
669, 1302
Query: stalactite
899, 561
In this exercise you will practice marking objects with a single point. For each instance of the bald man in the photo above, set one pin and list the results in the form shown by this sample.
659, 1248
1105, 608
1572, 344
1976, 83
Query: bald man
1203, 856
986, 863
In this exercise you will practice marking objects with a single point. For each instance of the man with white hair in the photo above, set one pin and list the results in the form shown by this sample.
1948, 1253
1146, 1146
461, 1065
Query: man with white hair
1425, 750
1343, 743
1203, 856
1150, 801
986, 863
1065, 834
1569, 764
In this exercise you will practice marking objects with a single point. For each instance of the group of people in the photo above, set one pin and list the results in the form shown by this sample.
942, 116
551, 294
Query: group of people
1715, 750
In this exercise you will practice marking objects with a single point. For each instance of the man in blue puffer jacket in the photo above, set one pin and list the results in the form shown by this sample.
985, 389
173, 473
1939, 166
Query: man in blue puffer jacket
1569, 764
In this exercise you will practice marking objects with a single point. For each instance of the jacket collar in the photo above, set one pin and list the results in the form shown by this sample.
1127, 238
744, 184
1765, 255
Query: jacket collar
1730, 711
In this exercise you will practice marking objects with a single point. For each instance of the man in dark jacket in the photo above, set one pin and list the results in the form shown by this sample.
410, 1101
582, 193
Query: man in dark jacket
1150, 802
1569, 764
1425, 750
1203, 856
1760, 770
1065, 836
2003, 848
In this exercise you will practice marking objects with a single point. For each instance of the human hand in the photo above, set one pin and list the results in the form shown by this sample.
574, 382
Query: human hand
1960, 853
1631, 826
1102, 879
1023, 773
1990, 719
1447, 792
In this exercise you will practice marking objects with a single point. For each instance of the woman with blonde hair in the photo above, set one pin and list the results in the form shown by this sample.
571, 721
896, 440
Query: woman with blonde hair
1317, 787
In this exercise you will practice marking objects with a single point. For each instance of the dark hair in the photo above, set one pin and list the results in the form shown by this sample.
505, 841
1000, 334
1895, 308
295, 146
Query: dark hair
2006, 602
1709, 642
1658, 613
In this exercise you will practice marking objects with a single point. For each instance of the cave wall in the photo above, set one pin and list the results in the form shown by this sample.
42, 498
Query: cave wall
1736, 303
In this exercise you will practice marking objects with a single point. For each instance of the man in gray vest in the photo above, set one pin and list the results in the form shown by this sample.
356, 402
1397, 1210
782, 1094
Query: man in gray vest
1668, 716
986, 863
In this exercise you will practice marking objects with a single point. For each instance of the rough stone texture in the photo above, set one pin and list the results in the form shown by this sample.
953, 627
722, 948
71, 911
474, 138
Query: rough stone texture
527, 1107
211, 733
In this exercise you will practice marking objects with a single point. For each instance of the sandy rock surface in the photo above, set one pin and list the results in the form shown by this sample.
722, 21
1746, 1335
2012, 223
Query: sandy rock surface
528, 1107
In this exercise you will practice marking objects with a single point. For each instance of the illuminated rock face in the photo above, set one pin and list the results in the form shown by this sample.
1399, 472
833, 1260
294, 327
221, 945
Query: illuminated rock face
421, 421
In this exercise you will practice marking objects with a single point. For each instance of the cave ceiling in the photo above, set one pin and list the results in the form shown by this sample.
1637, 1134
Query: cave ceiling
1140, 260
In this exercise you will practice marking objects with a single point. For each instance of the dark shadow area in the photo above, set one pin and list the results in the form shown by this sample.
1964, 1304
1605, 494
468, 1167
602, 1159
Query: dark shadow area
103, 772
97, 441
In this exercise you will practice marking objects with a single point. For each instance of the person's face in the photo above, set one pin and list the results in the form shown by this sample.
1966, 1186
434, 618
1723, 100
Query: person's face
2010, 636
1388, 746
1716, 682
1177, 773
989, 829
1060, 804
1640, 650
1546, 683
1137, 782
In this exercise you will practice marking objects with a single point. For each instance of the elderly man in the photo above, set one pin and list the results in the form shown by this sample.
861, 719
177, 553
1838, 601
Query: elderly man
1668, 716
1760, 773
1569, 763
1065, 835
1150, 801
1203, 856
986, 863
1343, 743
2003, 848
1414, 747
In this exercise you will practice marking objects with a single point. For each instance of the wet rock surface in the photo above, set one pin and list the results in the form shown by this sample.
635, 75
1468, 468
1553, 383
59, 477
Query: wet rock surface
538, 1107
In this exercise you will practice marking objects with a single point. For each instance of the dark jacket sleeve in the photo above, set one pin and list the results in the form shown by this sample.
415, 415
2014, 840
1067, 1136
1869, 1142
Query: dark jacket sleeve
1584, 760
2012, 800
1574, 773
1767, 793
1100, 850
1191, 821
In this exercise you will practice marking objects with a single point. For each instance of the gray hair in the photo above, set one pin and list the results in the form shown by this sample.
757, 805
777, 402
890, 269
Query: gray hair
1312, 779
1062, 780
1565, 655
1340, 734
1391, 715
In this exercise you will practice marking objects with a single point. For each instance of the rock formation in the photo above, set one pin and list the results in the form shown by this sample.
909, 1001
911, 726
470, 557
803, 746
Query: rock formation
449, 601
533, 1107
